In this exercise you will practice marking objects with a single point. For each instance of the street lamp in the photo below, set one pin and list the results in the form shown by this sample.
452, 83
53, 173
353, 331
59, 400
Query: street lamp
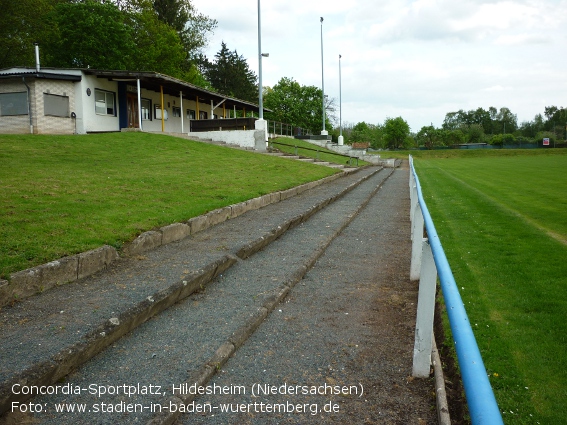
323, 132
260, 124
341, 138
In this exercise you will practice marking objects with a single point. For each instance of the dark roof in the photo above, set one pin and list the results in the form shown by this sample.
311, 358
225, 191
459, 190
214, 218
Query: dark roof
31, 72
148, 80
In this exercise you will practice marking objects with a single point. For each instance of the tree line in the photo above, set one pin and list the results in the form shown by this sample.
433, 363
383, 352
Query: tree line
493, 126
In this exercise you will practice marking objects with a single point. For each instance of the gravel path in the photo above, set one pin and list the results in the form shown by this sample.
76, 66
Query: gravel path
349, 321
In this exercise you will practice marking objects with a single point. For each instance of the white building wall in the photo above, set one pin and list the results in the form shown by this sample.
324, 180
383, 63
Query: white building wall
90, 120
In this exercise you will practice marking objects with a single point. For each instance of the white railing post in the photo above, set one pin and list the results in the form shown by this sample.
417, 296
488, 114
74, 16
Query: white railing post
416, 241
425, 313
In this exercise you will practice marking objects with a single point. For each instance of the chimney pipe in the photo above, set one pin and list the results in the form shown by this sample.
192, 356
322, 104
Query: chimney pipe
36, 57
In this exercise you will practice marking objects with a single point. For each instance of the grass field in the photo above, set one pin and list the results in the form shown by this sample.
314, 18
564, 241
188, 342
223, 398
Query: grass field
60, 195
502, 220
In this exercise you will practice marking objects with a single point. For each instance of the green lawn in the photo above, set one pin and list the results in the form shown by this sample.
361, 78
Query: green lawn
502, 221
60, 195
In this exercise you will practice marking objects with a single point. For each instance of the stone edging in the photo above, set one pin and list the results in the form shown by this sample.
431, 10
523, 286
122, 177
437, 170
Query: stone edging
37, 279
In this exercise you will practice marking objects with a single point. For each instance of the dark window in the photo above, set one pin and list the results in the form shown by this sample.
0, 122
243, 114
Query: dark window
54, 105
14, 103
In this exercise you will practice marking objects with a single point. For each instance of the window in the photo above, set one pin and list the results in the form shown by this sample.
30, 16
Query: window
157, 112
176, 111
191, 114
146, 109
56, 106
104, 103
203, 115
13, 103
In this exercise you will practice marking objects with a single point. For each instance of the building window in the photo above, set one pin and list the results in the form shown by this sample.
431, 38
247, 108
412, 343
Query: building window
157, 113
203, 115
191, 114
176, 111
105, 103
55, 105
146, 109
13, 103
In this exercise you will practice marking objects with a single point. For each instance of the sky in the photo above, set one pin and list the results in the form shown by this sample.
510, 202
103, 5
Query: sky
415, 59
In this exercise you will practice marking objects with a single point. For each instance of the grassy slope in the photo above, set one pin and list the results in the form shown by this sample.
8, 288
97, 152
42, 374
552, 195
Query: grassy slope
60, 195
324, 154
503, 224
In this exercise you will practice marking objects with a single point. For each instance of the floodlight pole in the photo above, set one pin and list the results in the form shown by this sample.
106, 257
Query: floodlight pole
341, 138
260, 124
323, 132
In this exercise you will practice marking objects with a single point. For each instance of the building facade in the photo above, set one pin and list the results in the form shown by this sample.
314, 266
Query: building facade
81, 101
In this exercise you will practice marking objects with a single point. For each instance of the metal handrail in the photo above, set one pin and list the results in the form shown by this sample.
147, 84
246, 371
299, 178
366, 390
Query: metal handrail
350, 158
483, 408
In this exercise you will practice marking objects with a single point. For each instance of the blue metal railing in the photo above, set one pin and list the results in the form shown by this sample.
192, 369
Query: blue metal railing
483, 408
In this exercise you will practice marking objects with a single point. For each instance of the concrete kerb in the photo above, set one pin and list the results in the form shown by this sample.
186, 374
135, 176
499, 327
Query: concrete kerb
239, 337
31, 281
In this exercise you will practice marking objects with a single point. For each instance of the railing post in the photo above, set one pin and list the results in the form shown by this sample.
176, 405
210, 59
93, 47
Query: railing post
425, 313
417, 239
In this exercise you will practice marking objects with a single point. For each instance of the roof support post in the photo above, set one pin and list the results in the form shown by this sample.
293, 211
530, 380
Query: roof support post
139, 104
198, 113
181, 106
162, 110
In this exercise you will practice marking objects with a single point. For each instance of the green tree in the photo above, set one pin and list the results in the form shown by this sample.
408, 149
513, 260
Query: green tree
89, 34
158, 46
294, 104
229, 74
396, 131
475, 134
451, 137
429, 137
507, 121
22, 24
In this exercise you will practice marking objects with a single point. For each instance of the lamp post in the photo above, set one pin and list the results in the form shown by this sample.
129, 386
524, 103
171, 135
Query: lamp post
323, 132
260, 124
341, 138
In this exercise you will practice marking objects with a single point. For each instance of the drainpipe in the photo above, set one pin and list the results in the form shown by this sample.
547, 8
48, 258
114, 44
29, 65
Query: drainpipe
29, 104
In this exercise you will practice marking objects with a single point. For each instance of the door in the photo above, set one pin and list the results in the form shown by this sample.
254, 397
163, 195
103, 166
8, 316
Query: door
133, 117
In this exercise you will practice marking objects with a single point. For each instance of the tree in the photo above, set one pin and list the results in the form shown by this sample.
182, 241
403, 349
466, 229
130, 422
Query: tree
396, 131
89, 34
429, 136
295, 104
158, 47
229, 74
507, 120
22, 24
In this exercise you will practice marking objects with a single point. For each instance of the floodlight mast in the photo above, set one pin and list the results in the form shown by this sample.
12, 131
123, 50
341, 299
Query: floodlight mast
323, 132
